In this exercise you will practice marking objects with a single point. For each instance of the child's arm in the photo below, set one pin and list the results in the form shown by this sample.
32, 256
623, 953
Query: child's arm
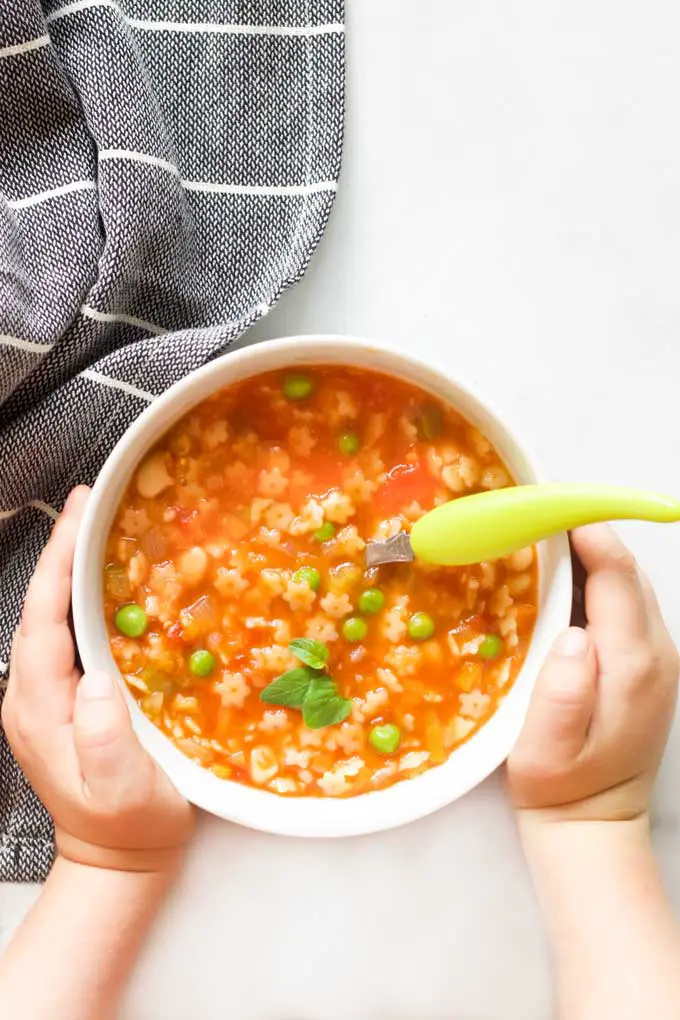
580, 777
120, 825
615, 940
70, 958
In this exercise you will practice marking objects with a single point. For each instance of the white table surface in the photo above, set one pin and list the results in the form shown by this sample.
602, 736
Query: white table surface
509, 208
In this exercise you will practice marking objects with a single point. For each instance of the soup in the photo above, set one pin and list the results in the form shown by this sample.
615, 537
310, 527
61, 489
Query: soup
240, 610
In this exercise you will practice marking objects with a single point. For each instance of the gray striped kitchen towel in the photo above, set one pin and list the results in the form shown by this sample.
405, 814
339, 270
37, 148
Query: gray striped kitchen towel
166, 170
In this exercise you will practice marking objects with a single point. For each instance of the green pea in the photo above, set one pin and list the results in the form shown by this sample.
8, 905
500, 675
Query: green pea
309, 576
354, 629
325, 532
420, 627
491, 647
131, 620
201, 662
348, 444
371, 601
297, 387
385, 739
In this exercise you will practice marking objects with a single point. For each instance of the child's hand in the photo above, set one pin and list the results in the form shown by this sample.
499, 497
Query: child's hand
600, 714
112, 805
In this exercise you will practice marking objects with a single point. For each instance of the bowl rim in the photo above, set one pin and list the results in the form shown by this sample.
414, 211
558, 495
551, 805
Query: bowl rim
406, 800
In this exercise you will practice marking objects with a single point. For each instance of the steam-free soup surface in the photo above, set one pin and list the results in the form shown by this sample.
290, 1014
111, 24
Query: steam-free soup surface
244, 531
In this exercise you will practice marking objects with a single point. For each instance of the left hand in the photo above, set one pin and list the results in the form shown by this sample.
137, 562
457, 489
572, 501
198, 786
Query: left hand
112, 805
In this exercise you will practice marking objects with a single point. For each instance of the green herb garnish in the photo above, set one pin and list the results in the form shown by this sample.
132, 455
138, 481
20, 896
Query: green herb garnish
323, 705
289, 689
308, 689
312, 653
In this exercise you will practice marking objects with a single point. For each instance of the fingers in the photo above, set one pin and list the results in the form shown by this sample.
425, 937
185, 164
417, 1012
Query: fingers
49, 593
561, 707
42, 663
112, 761
616, 603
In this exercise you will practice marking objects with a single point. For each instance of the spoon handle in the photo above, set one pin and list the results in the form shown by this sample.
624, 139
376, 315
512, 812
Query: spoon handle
489, 525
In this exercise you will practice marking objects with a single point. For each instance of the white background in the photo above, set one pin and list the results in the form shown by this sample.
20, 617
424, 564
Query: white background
509, 208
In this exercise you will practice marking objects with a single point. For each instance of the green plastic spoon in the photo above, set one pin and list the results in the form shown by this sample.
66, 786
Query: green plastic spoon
493, 524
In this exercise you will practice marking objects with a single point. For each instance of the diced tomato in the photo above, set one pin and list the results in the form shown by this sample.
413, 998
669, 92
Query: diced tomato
313, 475
240, 774
406, 483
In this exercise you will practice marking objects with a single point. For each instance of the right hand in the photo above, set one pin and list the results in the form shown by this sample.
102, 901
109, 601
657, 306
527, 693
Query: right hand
112, 805
601, 711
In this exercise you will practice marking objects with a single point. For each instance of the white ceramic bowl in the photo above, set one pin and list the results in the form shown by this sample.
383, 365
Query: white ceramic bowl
311, 816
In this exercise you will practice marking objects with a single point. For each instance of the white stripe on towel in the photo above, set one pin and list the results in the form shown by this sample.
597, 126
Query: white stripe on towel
45, 196
24, 345
216, 187
261, 189
138, 157
81, 5
199, 27
117, 384
25, 47
129, 320
37, 504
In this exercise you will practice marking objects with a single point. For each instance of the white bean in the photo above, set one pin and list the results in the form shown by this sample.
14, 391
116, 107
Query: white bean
521, 559
193, 565
153, 477
519, 583
495, 478
138, 568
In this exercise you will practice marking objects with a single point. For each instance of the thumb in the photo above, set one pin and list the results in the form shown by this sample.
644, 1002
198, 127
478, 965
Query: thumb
112, 761
561, 708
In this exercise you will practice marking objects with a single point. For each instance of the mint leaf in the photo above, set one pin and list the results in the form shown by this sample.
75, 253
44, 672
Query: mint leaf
323, 706
289, 689
312, 653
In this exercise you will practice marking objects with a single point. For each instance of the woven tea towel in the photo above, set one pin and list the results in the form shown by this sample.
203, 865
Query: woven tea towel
166, 170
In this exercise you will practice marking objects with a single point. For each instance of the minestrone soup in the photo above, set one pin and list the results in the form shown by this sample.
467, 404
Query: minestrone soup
240, 610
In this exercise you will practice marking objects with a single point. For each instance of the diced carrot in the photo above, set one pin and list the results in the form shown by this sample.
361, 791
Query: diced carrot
322, 762
223, 724
526, 617
434, 737
469, 676
234, 527
360, 782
